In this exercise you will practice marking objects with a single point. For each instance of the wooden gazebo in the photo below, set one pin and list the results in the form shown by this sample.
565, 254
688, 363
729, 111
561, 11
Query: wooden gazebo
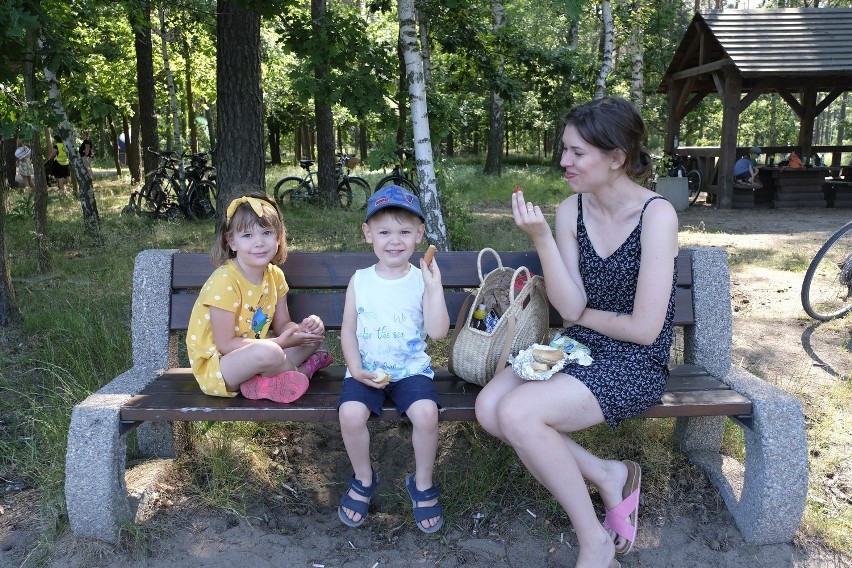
803, 54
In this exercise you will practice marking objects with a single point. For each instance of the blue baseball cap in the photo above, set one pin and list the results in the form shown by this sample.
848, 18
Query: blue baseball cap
393, 196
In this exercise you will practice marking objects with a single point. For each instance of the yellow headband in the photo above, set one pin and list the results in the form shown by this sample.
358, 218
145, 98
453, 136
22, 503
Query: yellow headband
256, 204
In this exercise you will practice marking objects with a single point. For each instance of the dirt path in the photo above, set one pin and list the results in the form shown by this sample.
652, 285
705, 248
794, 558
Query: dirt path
772, 337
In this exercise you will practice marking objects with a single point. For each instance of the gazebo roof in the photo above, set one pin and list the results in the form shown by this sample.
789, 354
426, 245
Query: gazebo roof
793, 48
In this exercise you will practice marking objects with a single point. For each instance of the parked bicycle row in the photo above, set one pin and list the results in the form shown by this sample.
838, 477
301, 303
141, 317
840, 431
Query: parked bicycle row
352, 191
164, 195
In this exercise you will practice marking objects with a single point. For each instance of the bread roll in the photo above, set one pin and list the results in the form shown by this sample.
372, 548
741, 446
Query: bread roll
548, 356
380, 376
430, 254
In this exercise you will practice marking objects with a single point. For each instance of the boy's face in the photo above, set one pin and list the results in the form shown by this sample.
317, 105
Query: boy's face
394, 237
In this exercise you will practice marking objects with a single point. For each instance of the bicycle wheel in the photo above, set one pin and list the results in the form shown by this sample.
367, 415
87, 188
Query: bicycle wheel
693, 179
400, 181
344, 196
198, 204
291, 190
360, 189
827, 288
153, 198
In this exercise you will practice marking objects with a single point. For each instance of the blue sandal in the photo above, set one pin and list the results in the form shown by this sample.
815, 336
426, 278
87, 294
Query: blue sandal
425, 513
360, 507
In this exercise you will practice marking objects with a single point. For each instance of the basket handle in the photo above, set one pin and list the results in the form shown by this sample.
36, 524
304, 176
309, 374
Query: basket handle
507, 344
479, 262
518, 272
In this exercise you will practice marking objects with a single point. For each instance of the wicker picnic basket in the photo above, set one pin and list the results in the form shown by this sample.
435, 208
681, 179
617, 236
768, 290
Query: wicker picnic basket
475, 355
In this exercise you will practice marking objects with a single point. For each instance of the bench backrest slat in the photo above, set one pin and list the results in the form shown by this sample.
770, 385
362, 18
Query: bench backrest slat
318, 282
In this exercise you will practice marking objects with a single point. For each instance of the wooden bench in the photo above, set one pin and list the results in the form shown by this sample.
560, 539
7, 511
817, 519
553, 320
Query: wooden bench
701, 392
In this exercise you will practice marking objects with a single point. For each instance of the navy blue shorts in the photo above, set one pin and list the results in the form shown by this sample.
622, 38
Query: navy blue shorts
403, 393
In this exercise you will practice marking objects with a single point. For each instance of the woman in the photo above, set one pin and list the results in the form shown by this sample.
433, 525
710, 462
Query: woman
610, 271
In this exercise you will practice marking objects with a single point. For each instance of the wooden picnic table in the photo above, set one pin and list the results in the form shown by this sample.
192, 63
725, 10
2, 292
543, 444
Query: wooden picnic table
799, 187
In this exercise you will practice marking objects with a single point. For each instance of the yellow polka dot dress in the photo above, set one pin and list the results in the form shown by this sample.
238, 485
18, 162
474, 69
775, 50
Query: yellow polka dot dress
253, 306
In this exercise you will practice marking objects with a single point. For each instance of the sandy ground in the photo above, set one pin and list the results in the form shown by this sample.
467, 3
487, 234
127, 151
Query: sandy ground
690, 528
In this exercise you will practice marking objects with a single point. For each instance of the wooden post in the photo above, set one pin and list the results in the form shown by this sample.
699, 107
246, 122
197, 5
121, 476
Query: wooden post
731, 83
806, 126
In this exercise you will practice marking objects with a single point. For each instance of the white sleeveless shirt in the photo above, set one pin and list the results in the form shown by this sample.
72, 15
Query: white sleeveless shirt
390, 323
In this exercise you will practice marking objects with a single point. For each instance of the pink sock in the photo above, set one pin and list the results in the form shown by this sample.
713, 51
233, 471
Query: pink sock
315, 362
286, 387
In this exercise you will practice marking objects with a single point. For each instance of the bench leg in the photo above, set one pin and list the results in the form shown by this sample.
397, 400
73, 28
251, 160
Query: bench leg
766, 495
95, 490
156, 440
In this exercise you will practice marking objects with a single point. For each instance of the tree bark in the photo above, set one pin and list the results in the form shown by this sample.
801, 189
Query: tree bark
190, 99
436, 230
165, 37
145, 87
91, 219
239, 126
9, 312
43, 261
606, 49
326, 180
637, 59
134, 152
496, 108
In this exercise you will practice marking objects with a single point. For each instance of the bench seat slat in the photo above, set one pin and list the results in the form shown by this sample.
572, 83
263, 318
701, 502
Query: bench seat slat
175, 397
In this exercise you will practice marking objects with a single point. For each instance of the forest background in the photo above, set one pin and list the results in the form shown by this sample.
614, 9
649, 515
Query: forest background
266, 83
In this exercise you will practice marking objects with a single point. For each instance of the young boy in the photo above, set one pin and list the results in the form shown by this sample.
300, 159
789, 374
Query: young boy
390, 309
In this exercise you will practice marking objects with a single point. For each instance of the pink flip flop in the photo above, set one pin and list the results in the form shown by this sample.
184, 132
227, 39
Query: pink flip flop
284, 387
623, 519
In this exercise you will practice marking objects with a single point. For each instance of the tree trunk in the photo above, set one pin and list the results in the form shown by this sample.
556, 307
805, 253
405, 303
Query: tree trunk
273, 129
606, 50
91, 220
326, 180
43, 260
637, 61
436, 230
190, 99
145, 87
402, 103
496, 110
9, 312
165, 37
363, 141
134, 151
115, 153
423, 27
239, 126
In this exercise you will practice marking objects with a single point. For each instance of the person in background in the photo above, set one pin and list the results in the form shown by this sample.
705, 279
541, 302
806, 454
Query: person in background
23, 157
86, 153
60, 163
746, 168
794, 162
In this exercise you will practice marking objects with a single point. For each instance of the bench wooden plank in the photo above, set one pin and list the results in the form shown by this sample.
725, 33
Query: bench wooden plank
176, 397
458, 270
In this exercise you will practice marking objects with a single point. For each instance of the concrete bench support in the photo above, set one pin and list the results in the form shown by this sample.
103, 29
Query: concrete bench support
766, 495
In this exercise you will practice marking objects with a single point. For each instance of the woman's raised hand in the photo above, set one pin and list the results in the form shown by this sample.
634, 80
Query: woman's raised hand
528, 217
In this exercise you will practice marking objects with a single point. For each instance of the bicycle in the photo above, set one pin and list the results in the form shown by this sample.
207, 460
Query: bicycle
163, 196
292, 189
680, 164
404, 173
827, 287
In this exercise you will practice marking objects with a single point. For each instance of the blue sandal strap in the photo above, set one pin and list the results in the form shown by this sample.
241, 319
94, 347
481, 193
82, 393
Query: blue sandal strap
360, 507
426, 495
359, 488
423, 513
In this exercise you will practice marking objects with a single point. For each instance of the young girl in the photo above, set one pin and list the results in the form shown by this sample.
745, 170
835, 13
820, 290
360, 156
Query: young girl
243, 298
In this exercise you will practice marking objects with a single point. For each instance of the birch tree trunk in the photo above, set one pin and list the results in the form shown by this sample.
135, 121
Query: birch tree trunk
436, 230
606, 50
91, 220
637, 57
496, 111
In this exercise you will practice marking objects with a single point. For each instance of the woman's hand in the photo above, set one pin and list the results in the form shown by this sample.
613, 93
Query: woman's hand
528, 217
